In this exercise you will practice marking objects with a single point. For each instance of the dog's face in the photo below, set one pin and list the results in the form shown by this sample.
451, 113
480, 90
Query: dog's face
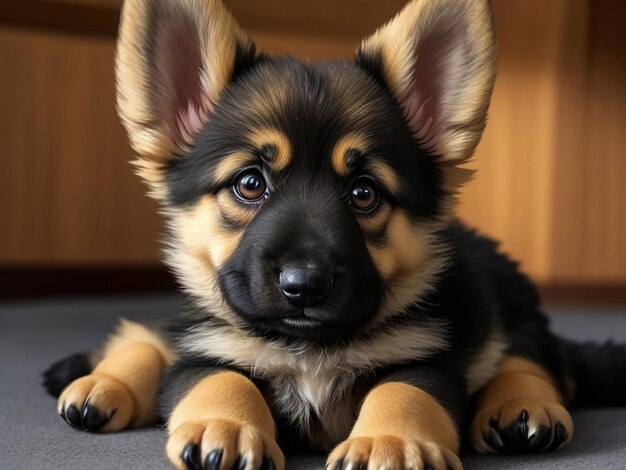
304, 200
311, 189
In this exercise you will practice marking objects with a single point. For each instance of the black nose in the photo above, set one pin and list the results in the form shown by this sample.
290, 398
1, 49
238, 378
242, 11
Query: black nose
305, 287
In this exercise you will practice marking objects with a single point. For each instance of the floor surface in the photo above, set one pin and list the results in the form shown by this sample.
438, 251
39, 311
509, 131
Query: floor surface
32, 435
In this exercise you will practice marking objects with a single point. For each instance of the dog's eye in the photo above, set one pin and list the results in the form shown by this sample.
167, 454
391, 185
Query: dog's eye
250, 186
364, 195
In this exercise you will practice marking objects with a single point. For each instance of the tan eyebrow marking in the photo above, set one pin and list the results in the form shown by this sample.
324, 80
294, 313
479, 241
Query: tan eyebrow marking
386, 175
274, 138
339, 156
231, 163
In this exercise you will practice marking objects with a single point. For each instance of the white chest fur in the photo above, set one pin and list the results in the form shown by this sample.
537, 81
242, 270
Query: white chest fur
322, 407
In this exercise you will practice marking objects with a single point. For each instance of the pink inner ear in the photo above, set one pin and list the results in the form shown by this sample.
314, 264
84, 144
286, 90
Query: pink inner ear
184, 103
437, 74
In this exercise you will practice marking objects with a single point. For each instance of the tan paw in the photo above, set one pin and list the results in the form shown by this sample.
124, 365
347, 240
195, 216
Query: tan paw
522, 426
391, 453
221, 444
96, 403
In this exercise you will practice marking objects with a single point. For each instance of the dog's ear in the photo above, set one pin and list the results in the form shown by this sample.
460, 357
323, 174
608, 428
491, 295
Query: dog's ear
174, 59
437, 57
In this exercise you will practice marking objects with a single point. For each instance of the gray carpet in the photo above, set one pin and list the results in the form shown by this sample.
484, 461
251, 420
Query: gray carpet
34, 334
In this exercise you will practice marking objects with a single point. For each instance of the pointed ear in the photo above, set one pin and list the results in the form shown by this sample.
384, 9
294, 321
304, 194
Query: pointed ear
174, 59
438, 59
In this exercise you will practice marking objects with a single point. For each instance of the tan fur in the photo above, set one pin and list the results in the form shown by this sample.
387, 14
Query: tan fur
199, 232
234, 209
279, 141
124, 383
401, 426
227, 411
141, 105
385, 175
200, 245
227, 168
518, 384
129, 332
409, 262
275, 358
485, 363
398, 43
339, 154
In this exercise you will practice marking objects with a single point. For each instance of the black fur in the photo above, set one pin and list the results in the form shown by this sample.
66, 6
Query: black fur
598, 372
60, 374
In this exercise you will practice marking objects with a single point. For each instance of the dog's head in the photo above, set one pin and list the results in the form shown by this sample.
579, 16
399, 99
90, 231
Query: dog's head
304, 199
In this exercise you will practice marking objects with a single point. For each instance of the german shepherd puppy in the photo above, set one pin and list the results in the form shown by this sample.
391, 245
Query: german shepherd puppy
335, 302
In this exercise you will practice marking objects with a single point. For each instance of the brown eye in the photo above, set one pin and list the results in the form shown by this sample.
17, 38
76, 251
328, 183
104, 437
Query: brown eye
250, 186
364, 195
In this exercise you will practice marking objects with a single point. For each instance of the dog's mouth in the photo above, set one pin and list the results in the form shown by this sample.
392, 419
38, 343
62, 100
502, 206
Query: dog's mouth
305, 325
308, 324
302, 323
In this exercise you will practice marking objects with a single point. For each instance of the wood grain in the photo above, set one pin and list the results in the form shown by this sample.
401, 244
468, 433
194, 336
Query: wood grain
603, 251
509, 199
69, 195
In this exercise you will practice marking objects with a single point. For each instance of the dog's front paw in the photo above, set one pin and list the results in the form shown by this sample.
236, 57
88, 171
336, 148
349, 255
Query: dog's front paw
96, 403
522, 426
392, 453
221, 444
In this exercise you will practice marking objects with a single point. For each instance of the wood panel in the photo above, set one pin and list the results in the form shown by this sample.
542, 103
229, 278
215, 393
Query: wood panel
596, 200
509, 199
351, 19
69, 195
566, 235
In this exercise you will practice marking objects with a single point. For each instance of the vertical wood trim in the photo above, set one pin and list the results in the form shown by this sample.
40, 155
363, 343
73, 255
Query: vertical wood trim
604, 253
510, 197
567, 196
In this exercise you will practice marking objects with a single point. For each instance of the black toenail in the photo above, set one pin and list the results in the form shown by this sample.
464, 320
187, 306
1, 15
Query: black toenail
523, 416
93, 420
191, 456
560, 436
213, 459
73, 417
268, 464
522, 428
241, 463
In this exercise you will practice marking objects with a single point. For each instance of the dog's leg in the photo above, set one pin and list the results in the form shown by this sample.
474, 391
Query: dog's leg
520, 410
219, 420
406, 422
121, 390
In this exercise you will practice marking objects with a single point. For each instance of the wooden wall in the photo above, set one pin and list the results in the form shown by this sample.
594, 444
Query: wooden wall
551, 165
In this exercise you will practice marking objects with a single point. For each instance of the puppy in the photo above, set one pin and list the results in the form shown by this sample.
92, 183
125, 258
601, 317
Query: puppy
334, 301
